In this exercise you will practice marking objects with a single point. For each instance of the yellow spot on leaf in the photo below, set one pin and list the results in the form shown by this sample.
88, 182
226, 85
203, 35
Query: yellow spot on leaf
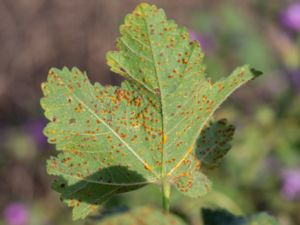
165, 139
147, 167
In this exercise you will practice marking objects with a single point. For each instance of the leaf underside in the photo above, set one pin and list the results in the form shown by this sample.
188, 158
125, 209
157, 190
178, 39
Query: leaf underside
117, 139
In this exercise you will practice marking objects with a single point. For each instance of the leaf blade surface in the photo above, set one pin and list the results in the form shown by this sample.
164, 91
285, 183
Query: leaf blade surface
144, 131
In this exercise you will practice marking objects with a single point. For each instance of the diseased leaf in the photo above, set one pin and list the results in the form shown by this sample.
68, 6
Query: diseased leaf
222, 217
145, 216
214, 143
117, 139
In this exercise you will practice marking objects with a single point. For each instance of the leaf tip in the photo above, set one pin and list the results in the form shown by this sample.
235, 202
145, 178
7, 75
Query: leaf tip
54, 70
144, 5
255, 72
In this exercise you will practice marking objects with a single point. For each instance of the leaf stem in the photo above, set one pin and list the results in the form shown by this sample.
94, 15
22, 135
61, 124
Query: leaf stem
166, 191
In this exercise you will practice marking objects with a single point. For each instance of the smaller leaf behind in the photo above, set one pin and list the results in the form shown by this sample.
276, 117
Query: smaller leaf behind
143, 216
213, 143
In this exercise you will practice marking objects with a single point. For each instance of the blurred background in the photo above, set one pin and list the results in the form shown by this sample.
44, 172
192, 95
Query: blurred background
260, 173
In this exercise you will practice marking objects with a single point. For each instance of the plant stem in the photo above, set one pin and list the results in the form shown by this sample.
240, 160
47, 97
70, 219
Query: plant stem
166, 191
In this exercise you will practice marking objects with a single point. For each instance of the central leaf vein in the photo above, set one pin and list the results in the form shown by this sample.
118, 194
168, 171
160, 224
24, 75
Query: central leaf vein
163, 156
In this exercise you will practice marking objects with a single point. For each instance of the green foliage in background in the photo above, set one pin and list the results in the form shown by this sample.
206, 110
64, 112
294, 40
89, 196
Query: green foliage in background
145, 216
236, 39
222, 217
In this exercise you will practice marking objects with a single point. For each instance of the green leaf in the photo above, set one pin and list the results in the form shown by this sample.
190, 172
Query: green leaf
214, 143
117, 139
145, 216
222, 217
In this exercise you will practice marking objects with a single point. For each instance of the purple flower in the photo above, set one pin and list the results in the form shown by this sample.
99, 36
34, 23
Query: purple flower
205, 42
295, 76
16, 214
291, 184
35, 129
291, 17
194, 36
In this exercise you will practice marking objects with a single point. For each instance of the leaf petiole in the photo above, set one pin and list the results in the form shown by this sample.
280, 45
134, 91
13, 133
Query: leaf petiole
166, 191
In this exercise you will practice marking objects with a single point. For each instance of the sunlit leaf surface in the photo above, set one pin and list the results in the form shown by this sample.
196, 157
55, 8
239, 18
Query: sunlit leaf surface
117, 139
